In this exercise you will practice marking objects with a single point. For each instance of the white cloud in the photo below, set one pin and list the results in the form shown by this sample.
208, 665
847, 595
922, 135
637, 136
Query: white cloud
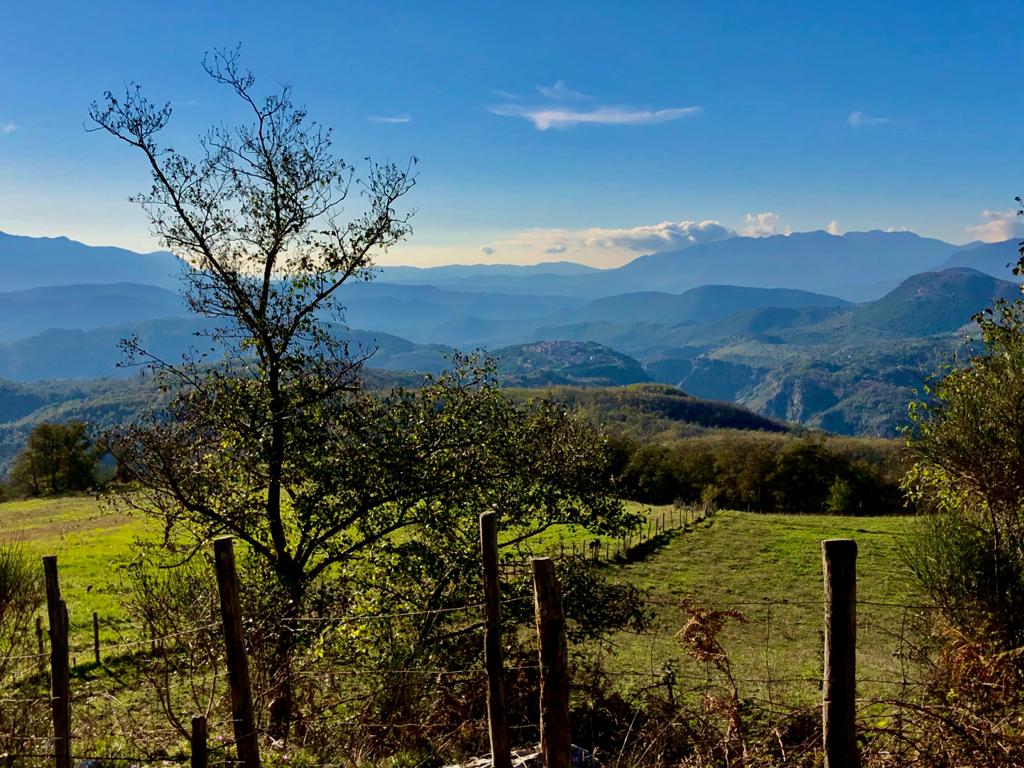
664, 236
9, 127
998, 226
864, 120
389, 119
606, 246
544, 118
833, 228
561, 92
487, 250
763, 225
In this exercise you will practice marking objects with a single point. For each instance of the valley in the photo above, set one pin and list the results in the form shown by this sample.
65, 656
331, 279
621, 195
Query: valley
774, 340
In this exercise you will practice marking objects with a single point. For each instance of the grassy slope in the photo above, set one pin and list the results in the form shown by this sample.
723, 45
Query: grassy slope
733, 559
737, 560
767, 567
91, 544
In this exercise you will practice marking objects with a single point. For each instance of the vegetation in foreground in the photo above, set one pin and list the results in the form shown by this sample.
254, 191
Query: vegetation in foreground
767, 567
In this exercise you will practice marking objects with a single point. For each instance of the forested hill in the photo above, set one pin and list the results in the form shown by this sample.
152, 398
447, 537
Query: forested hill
653, 411
640, 410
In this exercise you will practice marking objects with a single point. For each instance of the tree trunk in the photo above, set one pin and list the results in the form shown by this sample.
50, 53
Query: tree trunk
282, 703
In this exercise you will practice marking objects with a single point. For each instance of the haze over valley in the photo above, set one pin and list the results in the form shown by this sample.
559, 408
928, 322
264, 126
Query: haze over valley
777, 324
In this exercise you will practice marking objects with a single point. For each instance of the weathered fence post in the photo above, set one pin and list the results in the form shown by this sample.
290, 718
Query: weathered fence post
555, 734
237, 661
501, 750
838, 712
96, 637
60, 672
197, 743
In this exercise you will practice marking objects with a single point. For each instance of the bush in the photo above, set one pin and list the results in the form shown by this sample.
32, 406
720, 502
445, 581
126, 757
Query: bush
968, 442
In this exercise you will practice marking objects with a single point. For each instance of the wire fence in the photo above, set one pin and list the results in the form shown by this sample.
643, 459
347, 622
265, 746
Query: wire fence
135, 705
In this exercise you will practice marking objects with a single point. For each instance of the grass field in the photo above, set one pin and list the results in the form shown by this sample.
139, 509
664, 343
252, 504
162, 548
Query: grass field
767, 567
92, 545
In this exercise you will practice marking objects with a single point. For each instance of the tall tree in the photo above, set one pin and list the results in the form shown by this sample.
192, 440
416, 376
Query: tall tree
276, 443
56, 459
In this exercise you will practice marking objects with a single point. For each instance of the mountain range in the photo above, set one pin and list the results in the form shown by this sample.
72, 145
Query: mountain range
828, 331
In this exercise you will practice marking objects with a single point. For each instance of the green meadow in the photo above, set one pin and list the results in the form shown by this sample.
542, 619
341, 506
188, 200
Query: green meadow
766, 568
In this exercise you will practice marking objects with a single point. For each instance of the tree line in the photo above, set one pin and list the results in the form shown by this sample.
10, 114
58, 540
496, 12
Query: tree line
762, 472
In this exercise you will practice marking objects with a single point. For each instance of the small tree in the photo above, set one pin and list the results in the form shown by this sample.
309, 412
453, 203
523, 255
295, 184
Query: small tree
58, 458
277, 444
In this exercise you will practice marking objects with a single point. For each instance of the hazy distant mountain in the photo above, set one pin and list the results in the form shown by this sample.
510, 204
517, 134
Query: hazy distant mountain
856, 266
32, 262
810, 261
755, 328
95, 353
925, 304
849, 369
425, 313
933, 302
457, 273
997, 259
24, 313
705, 304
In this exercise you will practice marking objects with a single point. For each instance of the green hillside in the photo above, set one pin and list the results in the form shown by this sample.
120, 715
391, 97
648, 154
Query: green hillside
651, 411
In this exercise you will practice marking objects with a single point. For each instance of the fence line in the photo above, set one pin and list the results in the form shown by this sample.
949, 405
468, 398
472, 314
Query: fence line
776, 624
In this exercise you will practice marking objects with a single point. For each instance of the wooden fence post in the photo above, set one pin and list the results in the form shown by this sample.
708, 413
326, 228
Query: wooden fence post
838, 711
197, 743
96, 637
60, 672
501, 750
555, 733
237, 662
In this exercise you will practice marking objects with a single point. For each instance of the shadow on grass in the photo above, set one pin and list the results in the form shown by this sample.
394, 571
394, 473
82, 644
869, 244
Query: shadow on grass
652, 546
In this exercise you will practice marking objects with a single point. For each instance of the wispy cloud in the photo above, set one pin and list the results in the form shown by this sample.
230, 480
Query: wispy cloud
487, 250
561, 92
763, 225
998, 226
389, 119
864, 120
547, 117
9, 127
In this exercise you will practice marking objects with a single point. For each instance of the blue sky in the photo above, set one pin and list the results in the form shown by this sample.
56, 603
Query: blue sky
590, 131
